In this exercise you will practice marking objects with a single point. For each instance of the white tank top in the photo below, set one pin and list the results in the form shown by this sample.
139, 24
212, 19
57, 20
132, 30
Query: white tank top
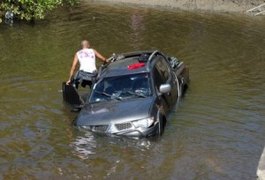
87, 60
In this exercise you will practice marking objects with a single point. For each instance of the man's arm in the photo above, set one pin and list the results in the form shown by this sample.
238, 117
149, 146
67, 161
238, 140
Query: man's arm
98, 55
74, 65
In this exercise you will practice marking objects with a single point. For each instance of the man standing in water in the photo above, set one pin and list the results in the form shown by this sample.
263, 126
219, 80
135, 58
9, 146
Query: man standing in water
86, 58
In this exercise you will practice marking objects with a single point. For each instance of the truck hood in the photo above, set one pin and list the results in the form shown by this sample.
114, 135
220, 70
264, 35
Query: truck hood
104, 113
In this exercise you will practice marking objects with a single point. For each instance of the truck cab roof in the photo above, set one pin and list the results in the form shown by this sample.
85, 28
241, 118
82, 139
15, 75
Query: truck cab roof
128, 63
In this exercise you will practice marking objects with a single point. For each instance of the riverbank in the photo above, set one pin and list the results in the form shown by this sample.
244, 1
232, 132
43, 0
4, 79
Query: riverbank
206, 5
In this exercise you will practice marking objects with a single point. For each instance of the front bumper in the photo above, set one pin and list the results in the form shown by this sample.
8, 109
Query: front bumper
125, 129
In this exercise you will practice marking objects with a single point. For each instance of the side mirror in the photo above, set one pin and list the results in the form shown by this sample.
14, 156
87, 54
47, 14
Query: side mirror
165, 88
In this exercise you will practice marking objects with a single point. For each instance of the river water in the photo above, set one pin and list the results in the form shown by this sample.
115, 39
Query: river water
216, 132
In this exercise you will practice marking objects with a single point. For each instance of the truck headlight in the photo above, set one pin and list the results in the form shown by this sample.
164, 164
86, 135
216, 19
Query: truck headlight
144, 123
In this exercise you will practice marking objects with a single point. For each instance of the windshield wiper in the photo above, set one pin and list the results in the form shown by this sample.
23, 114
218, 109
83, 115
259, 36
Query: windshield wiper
136, 94
109, 95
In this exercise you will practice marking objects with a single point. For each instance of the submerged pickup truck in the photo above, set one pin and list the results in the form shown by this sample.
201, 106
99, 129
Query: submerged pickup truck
132, 95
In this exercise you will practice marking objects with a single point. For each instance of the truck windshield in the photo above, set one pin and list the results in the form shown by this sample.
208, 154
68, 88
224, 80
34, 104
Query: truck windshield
121, 88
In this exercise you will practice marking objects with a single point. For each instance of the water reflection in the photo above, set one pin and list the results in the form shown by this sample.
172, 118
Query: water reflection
84, 146
138, 27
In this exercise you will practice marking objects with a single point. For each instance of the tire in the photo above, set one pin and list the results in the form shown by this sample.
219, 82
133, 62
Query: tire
161, 126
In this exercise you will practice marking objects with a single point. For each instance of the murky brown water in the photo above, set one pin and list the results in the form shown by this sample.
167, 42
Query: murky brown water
217, 131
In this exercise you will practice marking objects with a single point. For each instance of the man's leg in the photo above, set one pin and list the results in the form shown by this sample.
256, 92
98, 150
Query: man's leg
76, 80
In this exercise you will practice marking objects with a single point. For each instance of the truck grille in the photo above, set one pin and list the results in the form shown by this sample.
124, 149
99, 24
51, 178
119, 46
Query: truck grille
100, 128
123, 126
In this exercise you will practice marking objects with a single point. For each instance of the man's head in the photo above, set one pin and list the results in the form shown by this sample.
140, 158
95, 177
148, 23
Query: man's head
85, 44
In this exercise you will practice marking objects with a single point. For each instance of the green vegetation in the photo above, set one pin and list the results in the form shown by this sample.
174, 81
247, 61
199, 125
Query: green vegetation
31, 9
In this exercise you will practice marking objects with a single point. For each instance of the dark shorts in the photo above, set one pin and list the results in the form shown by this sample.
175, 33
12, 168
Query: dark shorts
84, 78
